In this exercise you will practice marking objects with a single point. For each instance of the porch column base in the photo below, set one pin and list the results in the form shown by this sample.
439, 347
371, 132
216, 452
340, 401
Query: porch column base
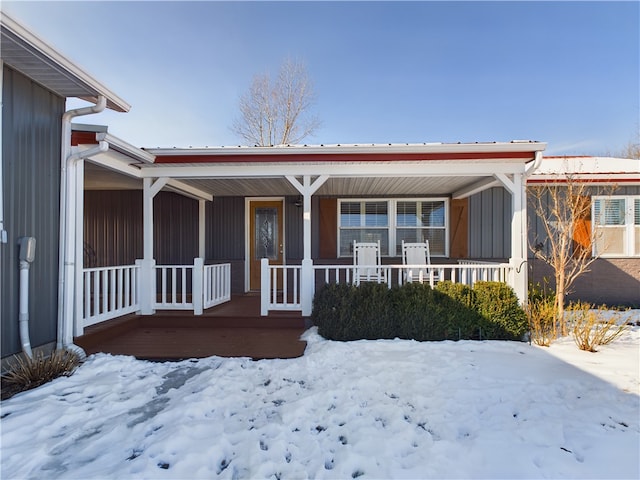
307, 287
147, 286
519, 280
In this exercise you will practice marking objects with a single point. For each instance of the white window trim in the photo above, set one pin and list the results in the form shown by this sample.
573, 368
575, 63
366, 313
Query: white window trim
629, 226
392, 226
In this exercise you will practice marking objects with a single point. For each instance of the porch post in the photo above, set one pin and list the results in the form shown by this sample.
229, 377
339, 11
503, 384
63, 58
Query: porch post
147, 266
78, 324
196, 285
201, 228
307, 280
519, 238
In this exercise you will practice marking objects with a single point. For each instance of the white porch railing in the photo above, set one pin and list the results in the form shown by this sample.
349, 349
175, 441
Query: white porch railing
217, 284
281, 288
110, 292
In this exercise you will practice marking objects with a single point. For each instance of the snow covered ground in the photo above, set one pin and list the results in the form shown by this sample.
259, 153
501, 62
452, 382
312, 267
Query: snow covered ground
369, 409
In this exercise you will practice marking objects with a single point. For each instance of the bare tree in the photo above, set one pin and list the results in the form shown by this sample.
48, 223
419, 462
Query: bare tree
277, 113
564, 212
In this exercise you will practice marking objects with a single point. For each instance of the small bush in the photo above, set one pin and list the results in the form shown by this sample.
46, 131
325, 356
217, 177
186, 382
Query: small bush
503, 317
590, 327
346, 312
462, 306
541, 312
25, 373
419, 312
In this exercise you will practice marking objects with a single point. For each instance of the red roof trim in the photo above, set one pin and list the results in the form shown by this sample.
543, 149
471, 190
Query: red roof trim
341, 157
83, 138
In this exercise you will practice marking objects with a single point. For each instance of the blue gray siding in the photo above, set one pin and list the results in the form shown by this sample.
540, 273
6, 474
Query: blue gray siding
490, 224
31, 136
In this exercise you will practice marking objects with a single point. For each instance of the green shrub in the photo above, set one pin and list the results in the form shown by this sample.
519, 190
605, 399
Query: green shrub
419, 312
502, 316
346, 312
416, 311
462, 306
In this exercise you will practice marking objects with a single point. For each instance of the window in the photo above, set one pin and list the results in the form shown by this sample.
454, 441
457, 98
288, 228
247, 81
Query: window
616, 223
391, 222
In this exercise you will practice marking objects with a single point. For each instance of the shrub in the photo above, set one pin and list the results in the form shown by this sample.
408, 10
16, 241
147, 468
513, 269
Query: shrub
541, 313
346, 312
419, 312
590, 327
25, 373
503, 317
462, 306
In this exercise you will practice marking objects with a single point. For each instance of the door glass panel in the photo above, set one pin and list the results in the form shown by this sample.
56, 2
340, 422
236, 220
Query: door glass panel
266, 233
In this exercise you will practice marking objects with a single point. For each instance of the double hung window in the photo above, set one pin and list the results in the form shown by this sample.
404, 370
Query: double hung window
616, 223
391, 221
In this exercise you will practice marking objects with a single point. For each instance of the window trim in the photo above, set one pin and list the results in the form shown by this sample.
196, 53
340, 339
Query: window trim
629, 226
392, 226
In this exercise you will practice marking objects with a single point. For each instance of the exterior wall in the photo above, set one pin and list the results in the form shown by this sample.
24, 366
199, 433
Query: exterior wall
31, 145
614, 281
490, 224
113, 228
611, 281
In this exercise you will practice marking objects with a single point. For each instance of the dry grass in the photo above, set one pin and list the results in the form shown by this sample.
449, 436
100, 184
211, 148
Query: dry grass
591, 327
25, 373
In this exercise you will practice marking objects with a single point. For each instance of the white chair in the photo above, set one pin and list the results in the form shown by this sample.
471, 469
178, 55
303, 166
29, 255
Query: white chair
417, 255
366, 262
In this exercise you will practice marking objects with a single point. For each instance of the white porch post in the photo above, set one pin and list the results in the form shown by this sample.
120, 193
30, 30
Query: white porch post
78, 326
147, 273
307, 280
518, 258
201, 228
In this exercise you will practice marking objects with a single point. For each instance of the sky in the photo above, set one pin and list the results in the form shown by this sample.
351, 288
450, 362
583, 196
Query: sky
369, 409
566, 73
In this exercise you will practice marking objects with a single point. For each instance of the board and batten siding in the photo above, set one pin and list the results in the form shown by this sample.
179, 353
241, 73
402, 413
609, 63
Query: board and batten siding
490, 224
31, 144
113, 228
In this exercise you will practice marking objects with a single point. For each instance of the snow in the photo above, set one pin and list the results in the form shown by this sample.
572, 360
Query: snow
365, 409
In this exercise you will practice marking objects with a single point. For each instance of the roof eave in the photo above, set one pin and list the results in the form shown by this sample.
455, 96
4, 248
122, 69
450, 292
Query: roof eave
88, 88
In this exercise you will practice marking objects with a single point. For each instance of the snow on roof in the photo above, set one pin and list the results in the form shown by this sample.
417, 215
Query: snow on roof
587, 165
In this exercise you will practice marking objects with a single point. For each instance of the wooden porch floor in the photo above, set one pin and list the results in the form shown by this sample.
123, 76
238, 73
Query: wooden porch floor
233, 329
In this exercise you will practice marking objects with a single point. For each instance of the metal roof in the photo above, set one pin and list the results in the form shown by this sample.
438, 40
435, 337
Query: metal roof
28, 54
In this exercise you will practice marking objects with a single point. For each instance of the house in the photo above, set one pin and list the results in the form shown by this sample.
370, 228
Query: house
612, 193
36, 80
120, 229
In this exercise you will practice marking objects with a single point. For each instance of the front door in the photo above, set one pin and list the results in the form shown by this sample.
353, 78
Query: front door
266, 238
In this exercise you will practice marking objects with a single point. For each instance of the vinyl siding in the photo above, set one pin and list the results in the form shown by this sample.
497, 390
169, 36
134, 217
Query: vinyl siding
490, 224
31, 136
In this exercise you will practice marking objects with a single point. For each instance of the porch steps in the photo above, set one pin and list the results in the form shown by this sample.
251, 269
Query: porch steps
235, 329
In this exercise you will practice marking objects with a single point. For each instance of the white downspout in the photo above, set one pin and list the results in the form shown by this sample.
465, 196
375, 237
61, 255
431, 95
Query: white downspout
3, 232
67, 226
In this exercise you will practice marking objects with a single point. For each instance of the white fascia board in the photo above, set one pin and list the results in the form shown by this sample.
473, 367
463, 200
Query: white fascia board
395, 169
477, 187
117, 162
135, 153
604, 166
188, 191
515, 146
54, 59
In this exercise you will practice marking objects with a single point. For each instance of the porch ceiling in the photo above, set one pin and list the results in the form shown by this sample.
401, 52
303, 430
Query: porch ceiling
100, 178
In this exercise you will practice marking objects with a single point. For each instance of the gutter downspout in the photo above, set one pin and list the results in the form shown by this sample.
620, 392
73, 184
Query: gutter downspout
67, 225
536, 163
3, 232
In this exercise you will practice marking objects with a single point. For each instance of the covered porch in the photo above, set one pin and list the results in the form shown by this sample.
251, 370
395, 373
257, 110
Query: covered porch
232, 186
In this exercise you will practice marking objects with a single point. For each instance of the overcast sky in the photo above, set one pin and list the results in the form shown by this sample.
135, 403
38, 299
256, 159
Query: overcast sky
566, 73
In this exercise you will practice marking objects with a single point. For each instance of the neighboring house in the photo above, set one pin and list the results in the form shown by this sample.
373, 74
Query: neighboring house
35, 82
613, 193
